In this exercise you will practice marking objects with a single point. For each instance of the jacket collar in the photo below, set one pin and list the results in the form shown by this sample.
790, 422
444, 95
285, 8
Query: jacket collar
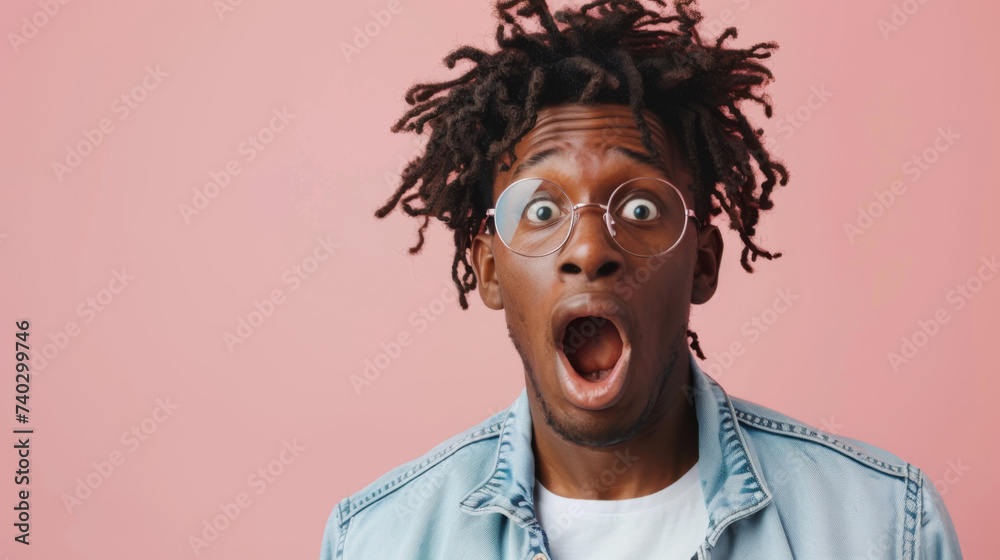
730, 476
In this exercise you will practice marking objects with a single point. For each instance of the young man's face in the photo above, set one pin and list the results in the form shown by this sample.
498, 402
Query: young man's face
632, 369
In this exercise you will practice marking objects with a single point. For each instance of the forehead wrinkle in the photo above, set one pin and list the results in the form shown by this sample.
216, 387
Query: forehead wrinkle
628, 145
615, 128
587, 163
554, 128
612, 116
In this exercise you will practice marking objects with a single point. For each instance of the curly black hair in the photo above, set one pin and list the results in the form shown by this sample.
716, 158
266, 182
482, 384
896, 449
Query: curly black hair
606, 51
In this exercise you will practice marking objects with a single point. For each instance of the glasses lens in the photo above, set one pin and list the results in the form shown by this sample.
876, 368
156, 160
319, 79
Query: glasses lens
649, 214
533, 217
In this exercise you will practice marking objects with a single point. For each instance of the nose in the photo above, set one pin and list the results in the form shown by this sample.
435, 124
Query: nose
590, 251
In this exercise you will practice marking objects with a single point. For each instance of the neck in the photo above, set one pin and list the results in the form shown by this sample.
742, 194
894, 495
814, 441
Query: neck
656, 457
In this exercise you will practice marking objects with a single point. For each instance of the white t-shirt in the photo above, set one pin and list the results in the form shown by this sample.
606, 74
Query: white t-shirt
667, 525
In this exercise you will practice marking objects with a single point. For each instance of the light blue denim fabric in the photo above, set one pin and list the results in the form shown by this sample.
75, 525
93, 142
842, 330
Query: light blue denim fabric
775, 489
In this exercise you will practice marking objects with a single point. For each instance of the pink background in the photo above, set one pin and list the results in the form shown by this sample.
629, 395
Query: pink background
823, 360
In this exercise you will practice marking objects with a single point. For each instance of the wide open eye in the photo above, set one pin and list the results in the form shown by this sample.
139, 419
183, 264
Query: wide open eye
542, 211
640, 209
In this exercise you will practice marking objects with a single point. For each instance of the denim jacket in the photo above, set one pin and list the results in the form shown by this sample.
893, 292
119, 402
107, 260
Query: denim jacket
775, 489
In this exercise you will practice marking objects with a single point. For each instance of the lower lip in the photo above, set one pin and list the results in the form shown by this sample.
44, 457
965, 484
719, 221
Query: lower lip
591, 395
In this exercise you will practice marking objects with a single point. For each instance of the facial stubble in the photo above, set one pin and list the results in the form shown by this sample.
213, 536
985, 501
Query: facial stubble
577, 434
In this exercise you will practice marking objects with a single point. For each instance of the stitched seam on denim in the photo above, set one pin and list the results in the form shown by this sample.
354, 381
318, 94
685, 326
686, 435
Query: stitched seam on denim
362, 502
721, 525
731, 518
342, 541
913, 511
542, 536
474, 502
729, 418
814, 435
501, 510
538, 541
499, 460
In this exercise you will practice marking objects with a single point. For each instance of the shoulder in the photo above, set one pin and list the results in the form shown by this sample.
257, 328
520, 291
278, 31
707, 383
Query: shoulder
850, 483
768, 428
437, 479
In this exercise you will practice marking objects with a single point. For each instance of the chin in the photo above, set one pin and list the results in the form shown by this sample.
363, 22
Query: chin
593, 428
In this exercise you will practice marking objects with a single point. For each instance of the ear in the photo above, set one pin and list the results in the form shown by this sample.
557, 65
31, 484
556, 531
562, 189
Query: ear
706, 265
484, 266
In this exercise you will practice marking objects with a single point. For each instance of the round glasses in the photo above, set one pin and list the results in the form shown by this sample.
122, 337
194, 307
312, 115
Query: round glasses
646, 216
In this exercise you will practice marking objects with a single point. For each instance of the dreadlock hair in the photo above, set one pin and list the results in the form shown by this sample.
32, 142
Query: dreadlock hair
606, 51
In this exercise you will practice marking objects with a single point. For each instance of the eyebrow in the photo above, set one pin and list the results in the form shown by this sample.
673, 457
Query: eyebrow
635, 156
639, 157
534, 160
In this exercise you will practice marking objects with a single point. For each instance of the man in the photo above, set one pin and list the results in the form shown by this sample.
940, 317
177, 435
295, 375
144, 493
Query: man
579, 167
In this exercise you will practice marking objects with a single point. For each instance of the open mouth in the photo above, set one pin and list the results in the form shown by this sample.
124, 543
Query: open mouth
592, 334
593, 347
